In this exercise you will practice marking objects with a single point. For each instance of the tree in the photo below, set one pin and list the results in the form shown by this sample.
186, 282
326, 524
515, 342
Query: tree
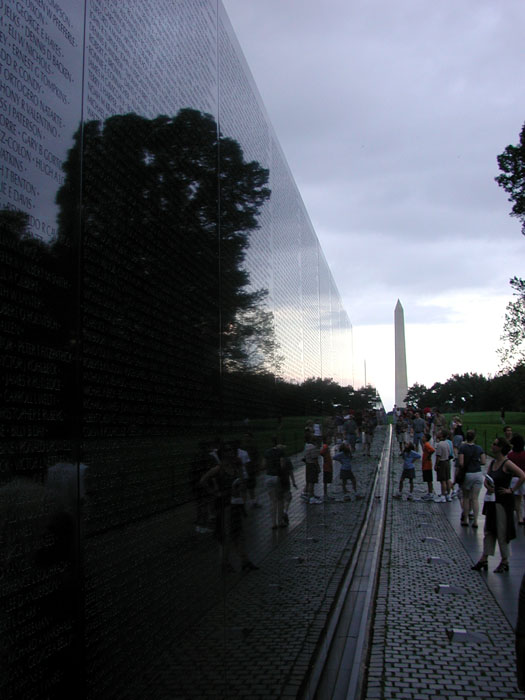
512, 353
363, 399
512, 164
417, 395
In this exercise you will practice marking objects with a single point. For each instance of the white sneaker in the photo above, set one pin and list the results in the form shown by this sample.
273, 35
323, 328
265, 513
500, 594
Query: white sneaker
440, 499
427, 497
448, 498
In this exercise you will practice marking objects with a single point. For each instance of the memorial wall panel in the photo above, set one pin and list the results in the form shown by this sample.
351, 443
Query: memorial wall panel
160, 280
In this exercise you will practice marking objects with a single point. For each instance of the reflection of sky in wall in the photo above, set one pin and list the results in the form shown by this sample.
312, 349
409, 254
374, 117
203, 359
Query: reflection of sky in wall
148, 60
151, 60
41, 85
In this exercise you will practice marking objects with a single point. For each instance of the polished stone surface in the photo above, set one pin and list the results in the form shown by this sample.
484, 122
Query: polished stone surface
163, 293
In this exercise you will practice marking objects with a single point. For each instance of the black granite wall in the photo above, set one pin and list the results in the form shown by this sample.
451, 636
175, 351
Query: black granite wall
160, 277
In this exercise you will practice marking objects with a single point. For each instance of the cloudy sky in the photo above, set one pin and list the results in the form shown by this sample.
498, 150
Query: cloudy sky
391, 114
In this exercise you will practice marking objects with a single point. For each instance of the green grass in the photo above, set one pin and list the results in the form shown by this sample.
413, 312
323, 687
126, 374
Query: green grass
488, 425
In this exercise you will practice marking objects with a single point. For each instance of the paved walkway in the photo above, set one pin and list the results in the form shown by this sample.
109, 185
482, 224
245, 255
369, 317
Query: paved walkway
426, 591
257, 634
260, 630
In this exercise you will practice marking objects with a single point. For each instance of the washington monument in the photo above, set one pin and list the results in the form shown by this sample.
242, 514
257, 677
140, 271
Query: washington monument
401, 356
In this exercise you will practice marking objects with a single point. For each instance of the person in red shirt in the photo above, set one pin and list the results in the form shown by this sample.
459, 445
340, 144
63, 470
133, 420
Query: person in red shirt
328, 468
426, 466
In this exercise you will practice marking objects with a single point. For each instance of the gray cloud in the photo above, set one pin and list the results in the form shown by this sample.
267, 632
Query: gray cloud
391, 116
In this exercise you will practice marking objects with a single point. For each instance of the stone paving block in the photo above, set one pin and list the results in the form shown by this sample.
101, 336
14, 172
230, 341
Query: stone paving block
417, 617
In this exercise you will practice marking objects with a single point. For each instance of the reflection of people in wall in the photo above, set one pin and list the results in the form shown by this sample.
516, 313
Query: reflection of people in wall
225, 481
286, 477
312, 468
205, 460
40, 557
275, 465
252, 467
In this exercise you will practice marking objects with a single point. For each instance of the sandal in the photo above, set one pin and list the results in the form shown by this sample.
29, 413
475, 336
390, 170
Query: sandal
502, 567
480, 566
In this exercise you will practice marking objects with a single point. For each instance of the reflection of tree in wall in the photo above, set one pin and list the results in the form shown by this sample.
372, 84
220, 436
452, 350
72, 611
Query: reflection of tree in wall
154, 223
167, 207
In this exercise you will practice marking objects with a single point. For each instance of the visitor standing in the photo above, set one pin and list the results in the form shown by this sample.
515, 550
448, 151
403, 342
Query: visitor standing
328, 469
409, 470
312, 470
344, 457
286, 477
426, 466
499, 510
274, 462
418, 427
471, 458
401, 432
225, 482
439, 422
442, 467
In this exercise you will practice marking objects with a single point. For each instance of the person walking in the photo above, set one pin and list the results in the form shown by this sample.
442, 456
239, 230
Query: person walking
470, 459
499, 520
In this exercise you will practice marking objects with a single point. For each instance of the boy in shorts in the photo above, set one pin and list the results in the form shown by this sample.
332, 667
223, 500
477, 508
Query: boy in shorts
409, 470
328, 469
426, 466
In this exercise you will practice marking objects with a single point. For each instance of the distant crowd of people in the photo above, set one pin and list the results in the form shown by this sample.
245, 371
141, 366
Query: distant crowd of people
461, 469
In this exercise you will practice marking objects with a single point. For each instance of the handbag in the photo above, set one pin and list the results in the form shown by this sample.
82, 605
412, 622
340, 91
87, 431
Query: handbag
460, 473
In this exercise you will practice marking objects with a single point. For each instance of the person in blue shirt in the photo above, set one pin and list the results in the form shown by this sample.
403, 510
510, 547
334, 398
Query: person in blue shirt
409, 455
344, 457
